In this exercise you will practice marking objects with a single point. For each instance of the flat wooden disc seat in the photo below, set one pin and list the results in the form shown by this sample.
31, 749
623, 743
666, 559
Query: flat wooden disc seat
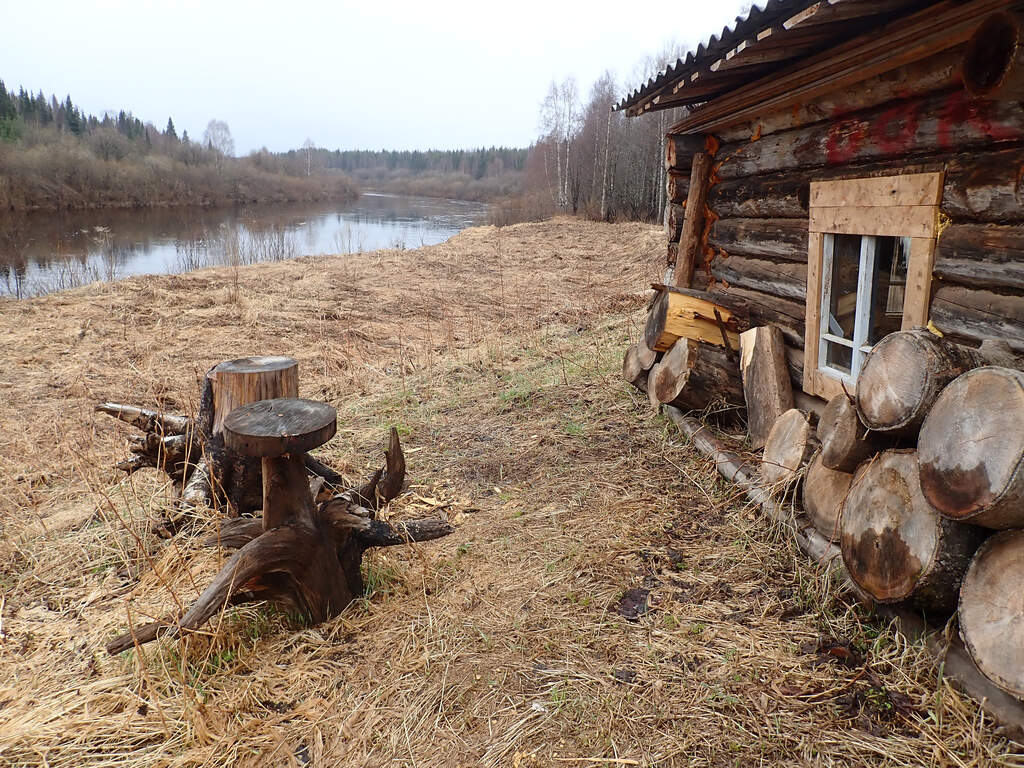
300, 555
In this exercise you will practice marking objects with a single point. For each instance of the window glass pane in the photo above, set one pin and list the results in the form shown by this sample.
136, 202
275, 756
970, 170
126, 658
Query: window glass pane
843, 286
838, 357
890, 281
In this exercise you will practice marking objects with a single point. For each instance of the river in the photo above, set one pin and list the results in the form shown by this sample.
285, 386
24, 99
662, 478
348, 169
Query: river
45, 252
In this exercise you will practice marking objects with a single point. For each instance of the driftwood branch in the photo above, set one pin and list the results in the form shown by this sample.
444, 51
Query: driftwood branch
145, 419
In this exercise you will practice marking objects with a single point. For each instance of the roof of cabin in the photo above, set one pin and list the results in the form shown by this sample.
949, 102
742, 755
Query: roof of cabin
773, 34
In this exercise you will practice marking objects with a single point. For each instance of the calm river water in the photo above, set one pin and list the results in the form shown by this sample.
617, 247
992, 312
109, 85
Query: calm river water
44, 252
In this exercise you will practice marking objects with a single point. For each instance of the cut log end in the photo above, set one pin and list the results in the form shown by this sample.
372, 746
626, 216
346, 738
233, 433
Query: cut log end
824, 493
993, 63
903, 375
843, 442
971, 449
638, 360
992, 611
895, 546
788, 448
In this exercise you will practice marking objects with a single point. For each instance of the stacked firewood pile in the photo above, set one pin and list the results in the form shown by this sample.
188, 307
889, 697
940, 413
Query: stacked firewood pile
917, 476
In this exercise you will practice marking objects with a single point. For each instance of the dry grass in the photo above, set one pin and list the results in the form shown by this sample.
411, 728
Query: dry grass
504, 644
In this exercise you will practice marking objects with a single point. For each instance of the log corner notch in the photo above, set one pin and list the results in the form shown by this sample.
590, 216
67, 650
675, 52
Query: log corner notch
693, 234
678, 313
301, 555
993, 62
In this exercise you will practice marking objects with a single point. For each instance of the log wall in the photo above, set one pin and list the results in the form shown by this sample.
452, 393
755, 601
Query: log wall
756, 247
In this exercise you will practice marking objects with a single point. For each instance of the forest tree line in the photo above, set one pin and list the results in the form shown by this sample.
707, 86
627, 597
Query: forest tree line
55, 156
594, 162
483, 174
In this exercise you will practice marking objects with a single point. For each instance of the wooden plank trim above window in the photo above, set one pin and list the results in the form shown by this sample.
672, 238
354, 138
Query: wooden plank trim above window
894, 221
906, 189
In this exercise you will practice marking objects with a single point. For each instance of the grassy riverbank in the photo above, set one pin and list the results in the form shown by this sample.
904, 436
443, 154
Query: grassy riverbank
516, 641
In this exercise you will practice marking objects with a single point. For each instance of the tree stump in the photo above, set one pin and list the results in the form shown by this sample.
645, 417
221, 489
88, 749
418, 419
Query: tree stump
789, 447
248, 379
895, 546
992, 610
825, 492
300, 555
193, 452
971, 449
229, 385
843, 442
902, 376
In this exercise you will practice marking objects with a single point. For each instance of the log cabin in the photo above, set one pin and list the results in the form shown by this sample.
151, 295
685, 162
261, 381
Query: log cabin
849, 169
849, 175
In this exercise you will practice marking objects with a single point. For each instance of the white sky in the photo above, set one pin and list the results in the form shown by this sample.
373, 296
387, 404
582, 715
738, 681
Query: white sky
350, 75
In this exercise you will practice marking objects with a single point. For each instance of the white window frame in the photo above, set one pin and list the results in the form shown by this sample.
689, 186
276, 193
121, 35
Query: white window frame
866, 280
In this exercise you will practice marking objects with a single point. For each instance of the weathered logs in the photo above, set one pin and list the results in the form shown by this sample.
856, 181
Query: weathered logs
774, 196
695, 376
789, 447
896, 547
866, 135
981, 255
993, 66
787, 280
679, 314
761, 238
992, 610
985, 186
637, 362
763, 309
974, 315
824, 493
931, 74
674, 222
677, 185
979, 186
767, 390
902, 376
971, 449
844, 444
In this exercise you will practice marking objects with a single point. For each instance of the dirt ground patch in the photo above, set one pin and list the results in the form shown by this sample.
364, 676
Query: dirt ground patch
605, 599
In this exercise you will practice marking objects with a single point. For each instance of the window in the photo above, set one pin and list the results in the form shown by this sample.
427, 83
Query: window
861, 300
870, 256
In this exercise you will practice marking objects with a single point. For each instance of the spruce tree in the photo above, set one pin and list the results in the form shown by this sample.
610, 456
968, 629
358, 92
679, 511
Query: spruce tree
169, 131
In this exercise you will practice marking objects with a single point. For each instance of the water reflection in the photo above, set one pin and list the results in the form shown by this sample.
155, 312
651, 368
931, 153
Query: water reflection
44, 252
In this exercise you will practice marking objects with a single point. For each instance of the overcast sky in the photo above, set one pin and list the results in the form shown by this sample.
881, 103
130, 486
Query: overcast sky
350, 75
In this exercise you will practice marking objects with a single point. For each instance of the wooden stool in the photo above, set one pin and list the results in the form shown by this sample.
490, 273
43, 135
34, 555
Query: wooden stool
304, 557
280, 432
